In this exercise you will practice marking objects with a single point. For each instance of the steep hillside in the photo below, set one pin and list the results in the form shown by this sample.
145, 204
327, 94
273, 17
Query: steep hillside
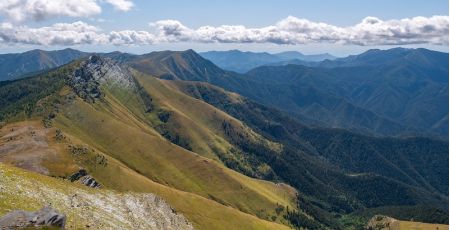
106, 112
14, 65
359, 97
313, 98
406, 97
186, 65
199, 127
339, 146
371, 172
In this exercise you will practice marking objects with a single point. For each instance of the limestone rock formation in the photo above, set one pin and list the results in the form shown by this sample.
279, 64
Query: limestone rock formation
85, 208
97, 71
19, 219
83, 177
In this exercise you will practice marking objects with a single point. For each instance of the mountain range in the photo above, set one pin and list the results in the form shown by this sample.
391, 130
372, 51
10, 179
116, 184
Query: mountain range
13, 66
241, 62
393, 92
358, 92
317, 147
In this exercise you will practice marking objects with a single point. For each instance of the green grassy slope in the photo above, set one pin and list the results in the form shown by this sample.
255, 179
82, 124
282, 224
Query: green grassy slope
202, 128
153, 156
140, 159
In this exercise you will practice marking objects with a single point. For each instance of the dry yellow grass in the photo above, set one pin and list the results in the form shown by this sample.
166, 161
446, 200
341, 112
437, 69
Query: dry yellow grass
202, 212
410, 225
388, 223
111, 128
201, 122
166, 163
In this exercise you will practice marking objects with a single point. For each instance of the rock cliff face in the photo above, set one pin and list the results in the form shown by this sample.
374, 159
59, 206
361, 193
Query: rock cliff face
83, 177
83, 207
96, 71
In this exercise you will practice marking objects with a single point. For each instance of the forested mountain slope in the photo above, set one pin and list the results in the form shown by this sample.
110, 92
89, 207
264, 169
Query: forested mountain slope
401, 95
13, 66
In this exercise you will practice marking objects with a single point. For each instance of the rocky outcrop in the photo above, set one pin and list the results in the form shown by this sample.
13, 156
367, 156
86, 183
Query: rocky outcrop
380, 222
96, 71
87, 208
89, 181
20, 219
83, 177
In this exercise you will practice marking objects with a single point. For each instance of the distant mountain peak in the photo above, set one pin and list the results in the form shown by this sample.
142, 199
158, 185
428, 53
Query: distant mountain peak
182, 65
189, 51
14, 66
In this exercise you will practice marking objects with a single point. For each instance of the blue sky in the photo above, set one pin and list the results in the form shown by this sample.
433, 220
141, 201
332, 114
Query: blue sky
265, 12
186, 17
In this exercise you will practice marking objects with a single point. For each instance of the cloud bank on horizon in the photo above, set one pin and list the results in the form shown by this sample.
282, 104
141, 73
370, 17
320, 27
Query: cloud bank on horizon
288, 31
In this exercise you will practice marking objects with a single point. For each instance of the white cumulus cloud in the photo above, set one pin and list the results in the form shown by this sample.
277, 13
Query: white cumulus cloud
67, 34
38, 10
57, 34
291, 31
123, 5
417, 30
131, 37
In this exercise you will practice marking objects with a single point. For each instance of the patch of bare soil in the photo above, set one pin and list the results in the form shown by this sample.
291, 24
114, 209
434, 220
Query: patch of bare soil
30, 146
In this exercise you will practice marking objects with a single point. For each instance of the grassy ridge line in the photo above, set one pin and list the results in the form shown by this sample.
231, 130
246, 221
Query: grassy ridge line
207, 129
163, 162
205, 115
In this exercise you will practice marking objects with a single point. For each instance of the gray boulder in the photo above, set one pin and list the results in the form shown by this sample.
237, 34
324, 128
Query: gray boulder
19, 219
83, 177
